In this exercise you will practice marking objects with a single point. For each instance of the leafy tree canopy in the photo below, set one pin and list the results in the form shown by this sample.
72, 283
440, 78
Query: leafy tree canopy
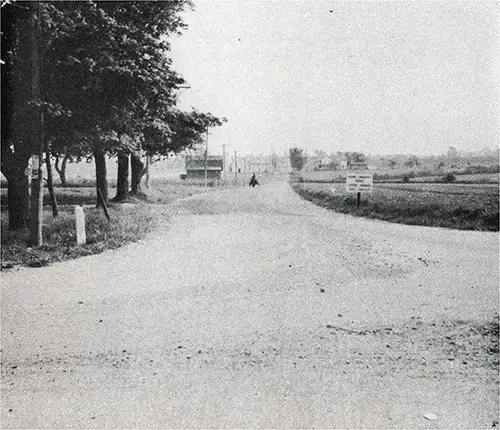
297, 158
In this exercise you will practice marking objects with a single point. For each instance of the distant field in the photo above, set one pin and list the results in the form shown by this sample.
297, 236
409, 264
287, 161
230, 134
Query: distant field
452, 188
339, 176
477, 177
459, 206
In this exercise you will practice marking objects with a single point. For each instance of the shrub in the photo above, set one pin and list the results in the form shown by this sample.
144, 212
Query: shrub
449, 177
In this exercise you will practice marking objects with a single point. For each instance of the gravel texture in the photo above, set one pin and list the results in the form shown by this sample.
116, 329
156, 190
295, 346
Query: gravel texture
258, 309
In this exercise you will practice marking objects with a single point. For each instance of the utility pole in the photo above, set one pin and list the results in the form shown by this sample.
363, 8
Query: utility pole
224, 162
206, 159
245, 169
236, 166
37, 138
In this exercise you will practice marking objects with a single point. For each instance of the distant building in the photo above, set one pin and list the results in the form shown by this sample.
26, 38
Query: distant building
323, 163
195, 167
330, 163
357, 165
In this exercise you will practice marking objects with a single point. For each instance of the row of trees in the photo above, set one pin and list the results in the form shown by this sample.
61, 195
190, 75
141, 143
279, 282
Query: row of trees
91, 79
298, 158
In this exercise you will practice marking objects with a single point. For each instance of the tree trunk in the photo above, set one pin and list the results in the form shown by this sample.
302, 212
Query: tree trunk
146, 170
62, 170
17, 29
122, 177
18, 198
137, 173
101, 181
50, 184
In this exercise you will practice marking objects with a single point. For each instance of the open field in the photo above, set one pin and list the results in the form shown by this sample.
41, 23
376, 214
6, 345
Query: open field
397, 176
459, 206
492, 178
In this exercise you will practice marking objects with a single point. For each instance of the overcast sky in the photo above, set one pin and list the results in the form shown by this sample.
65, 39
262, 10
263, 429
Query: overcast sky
378, 77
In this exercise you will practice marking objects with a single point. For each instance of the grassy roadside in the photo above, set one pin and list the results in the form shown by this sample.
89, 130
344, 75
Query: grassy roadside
130, 222
472, 212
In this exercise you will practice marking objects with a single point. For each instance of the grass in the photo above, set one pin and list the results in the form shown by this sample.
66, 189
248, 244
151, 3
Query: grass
479, 174
463, 208
130, 222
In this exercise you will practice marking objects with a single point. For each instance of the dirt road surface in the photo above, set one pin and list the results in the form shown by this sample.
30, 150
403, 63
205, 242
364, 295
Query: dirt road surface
257, 309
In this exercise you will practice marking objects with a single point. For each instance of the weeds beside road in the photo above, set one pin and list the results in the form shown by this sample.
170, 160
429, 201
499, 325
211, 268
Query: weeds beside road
129, 223
464, 207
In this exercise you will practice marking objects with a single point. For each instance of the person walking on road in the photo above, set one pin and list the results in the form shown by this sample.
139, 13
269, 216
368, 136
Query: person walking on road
253, 181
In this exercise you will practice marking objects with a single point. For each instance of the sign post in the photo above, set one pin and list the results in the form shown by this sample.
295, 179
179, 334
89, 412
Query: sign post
81, 237
359, 183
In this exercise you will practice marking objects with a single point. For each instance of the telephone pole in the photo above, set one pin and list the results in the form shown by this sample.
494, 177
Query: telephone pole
37, 138
236, 166
224, 162
206, 159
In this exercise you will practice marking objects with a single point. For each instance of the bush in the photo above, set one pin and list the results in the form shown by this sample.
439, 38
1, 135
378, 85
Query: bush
406, 178
449, 177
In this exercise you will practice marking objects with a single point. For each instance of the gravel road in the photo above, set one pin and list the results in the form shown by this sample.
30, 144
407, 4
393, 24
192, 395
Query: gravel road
257, 309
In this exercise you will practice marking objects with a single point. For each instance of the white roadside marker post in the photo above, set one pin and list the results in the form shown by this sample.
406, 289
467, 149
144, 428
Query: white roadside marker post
81, 237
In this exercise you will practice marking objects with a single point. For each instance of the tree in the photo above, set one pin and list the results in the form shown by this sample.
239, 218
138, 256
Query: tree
178, 131
297, 158
413, 161
392, 163
108, 88
90, 56
17, 112
357, 157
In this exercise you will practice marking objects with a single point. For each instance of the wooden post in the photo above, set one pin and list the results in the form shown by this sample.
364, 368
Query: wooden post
359, 199
103, 203
50, 182
81, 237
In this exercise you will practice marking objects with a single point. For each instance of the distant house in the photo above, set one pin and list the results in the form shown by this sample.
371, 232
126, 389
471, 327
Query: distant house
357, 165
330, 163
195, 167
324, 163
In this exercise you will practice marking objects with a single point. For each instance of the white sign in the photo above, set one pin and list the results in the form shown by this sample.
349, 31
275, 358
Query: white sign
359, 183
35, 162
35, 165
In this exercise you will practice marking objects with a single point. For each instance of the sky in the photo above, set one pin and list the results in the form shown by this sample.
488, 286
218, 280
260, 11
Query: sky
376, 77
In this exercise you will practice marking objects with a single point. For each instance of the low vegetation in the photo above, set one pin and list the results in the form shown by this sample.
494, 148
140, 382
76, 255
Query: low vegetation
129, 222
473, 174
465, 207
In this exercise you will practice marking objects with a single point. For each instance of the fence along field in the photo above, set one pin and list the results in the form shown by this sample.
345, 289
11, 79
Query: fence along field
458, 206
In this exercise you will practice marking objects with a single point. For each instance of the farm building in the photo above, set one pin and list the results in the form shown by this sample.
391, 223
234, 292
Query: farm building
195, 167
